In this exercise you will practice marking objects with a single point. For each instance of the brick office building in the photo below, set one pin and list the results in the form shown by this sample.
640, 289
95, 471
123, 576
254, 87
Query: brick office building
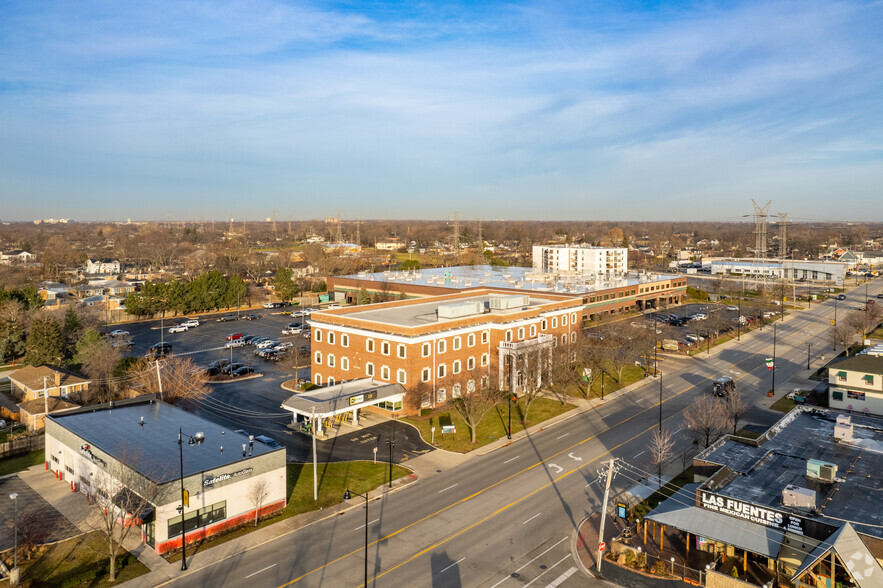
600, 295
442, 346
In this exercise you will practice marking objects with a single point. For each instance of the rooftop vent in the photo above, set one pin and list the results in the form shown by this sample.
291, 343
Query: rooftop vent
799, 497
820, 470
461, 309
843, 431
509, 302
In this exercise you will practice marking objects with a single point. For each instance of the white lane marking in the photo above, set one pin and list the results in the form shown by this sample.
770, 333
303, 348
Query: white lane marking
557, 467
362, 526
563, 436
678, 431
549, 569
560, 579
531, 518
513, 459
452, 565
640, 454
449, 487
572, 456
259, 571
530, 562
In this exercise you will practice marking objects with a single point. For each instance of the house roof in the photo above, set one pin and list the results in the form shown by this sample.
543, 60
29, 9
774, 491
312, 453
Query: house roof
869, 364
38, 405
7, 403
32, 377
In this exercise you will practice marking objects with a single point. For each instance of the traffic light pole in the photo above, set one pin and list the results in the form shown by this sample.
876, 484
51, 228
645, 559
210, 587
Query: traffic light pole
604, 512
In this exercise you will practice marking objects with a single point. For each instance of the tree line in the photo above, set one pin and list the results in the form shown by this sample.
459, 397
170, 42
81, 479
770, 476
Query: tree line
209, 291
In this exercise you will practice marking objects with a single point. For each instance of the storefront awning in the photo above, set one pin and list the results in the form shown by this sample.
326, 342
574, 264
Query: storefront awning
127, 500
681, 512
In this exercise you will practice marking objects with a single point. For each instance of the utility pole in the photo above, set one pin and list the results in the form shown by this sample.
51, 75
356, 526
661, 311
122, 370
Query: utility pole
45, 399
159, 379
609, 476
774, 359
315, 465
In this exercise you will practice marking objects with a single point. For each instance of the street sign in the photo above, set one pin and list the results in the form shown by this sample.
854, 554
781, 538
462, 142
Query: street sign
449, 429
621, 510
769, 363
602, 546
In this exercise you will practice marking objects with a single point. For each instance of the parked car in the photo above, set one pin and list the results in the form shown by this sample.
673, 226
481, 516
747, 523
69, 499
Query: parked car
257, 340
692, 337
118, 333
158, 350
191, 323
332, 305
252, 317
227, 318
732, 307
272, 305
233, 366
234, 336
243, 371
218, 363
267, 441
234, 344
880, 295
178, 329
284, 346
267, 343
841, 297
248, 339
723, 386
292, 330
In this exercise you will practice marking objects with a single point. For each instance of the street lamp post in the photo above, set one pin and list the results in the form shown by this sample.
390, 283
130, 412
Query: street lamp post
739, 322
774, 359
808, 347
346, 496
390, 443
509, 406
14, 497
192, 441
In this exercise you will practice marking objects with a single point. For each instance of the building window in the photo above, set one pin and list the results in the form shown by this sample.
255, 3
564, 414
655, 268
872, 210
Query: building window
369, 345
869, 380
345, 363
384, 347
455, 391
457, 342
345, 340
456, 367
544, 325
573, 337
470, 386
441, 396
401, 377
198, 518
442, 370
841, 376
470, 340
564, 339
317, 357
508, 336
330, 360
554, 322
317, 335
425, 375
369, 369
855, 395
442, 345
470, 363
837, 395
401, 351
533, 331
384, 373
427, 349
484, 359
318, 379
485, 336
331, 337
520, 333
484, 382
563, 320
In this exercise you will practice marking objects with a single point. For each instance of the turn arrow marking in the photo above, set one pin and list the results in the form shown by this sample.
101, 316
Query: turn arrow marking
557, 467
572, 456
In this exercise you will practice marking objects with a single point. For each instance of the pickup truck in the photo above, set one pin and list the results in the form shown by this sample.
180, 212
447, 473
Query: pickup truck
292, 331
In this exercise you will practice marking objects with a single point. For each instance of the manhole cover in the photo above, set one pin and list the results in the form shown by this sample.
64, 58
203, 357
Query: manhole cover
542, 567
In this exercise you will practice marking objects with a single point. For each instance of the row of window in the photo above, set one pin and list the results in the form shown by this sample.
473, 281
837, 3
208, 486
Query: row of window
441, 395
867, 378
198, 518
401, 349
401, 375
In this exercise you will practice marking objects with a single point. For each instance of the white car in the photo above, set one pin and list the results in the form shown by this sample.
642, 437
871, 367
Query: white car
732, 307
119, 333
267, 343
178, 329
234, 343
190, 323
284, 346
302, 313
292, 331
699, 316
333, 305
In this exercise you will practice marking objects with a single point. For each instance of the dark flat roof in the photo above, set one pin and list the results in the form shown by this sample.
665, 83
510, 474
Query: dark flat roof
153, 450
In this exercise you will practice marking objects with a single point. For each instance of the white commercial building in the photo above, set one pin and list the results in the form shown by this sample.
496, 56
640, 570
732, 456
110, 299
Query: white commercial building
126, 458
783, 269
581, 259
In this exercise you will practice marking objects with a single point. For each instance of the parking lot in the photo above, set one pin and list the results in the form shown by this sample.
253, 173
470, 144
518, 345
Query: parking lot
253, 404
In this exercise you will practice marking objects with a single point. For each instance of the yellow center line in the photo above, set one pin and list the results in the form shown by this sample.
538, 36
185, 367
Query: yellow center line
502, 480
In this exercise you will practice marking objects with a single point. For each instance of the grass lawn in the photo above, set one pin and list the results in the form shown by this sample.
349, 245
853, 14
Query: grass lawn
492, 426
10, 465
334, 479
652, 501
76, 562
877, 333
783, 404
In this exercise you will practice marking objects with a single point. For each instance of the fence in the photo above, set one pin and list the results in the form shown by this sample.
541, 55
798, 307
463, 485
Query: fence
22, 445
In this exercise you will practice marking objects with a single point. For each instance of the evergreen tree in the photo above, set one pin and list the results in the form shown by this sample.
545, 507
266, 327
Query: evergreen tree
45, 342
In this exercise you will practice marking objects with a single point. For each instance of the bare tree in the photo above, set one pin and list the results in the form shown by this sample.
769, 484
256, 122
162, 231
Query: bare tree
842, 336
177, 378
122, 497
661, 450
473, 406
706, 419
865, 320
34, 529
736, 407
258, 492
532, 369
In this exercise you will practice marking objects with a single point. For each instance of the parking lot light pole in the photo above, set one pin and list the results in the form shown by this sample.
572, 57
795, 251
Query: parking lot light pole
774, 359
192, 441
808, 347
390, 443
14, 497
346, 496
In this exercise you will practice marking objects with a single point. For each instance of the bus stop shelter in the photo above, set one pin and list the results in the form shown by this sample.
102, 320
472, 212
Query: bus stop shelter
347, 397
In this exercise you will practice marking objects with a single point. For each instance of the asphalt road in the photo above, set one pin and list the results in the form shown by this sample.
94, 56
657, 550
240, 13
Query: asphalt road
254, 404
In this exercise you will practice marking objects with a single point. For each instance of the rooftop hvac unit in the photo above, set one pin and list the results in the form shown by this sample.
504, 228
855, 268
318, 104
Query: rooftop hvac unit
844, 419
509, 302
843, 432
799, 497
821, 470
469, 308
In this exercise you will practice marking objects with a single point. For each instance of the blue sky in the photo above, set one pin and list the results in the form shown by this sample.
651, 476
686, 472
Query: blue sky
513, 110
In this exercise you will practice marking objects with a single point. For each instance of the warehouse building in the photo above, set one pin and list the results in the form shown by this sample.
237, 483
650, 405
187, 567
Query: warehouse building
783, 269
800, 506
126, 457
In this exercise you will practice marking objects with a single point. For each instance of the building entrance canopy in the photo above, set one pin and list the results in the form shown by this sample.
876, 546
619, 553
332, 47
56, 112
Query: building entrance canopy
333, 400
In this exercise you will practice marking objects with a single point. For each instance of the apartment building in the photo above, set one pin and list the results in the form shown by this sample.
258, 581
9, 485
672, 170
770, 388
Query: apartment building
580, 259
443, 346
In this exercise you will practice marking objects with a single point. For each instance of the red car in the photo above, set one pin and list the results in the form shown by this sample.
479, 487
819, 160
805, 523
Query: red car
234, 336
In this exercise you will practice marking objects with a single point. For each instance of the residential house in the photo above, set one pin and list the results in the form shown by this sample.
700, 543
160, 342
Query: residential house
102, 266
856, 383
54, 292
33, 412
16, 256
32, 382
